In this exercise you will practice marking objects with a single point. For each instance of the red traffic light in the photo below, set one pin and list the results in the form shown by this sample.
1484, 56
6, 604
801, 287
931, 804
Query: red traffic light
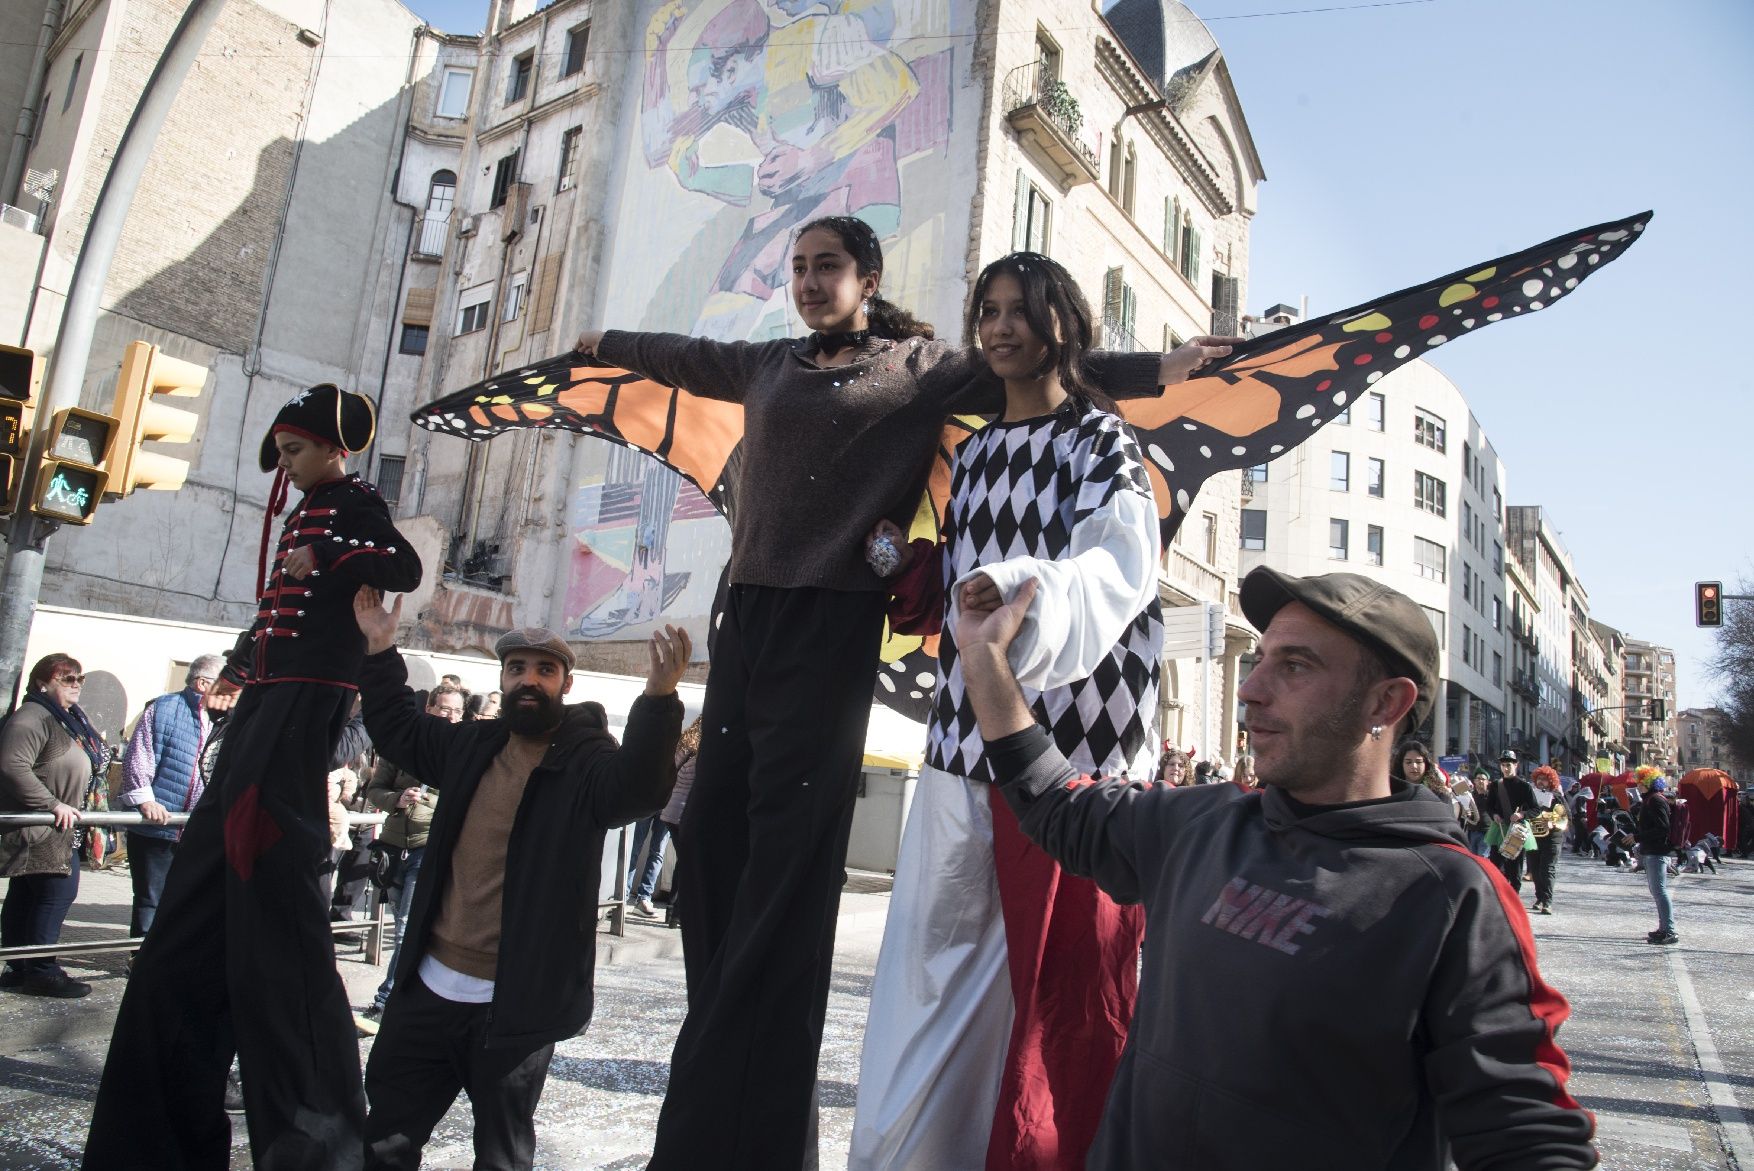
1708, 603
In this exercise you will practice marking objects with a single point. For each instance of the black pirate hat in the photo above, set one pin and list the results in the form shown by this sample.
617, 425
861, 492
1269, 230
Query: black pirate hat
327, 414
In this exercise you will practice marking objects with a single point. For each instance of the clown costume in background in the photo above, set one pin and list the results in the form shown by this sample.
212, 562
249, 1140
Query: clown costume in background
240, 957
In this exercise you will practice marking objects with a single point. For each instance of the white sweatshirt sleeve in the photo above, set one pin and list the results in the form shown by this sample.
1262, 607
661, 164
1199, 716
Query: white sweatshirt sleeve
1085, 601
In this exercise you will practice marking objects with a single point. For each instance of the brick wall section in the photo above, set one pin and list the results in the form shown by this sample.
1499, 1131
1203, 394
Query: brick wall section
200, 233
200, 236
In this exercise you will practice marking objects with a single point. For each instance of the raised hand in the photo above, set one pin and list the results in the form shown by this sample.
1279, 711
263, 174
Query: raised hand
376, 623
587, 343
992, 627
668, 654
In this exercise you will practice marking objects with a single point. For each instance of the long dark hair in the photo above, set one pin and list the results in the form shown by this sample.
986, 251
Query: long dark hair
1057, 313
885, 318
1414, 744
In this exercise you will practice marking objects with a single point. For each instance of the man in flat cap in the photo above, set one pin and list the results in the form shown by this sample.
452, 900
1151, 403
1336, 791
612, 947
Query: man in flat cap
500, 946
1331, 979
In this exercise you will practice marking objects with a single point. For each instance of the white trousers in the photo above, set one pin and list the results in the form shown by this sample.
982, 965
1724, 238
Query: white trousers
941, 1005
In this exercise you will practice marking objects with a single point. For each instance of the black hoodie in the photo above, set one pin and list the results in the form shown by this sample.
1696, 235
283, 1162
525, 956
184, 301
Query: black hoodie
1340, 987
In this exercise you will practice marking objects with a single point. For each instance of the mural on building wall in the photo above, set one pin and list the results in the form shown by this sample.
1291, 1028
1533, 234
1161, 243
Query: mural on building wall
755, 116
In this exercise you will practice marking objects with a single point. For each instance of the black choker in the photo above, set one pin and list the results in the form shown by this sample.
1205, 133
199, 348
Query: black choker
834, 343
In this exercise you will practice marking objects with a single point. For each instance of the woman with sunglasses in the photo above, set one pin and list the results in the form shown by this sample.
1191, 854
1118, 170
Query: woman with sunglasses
48, 754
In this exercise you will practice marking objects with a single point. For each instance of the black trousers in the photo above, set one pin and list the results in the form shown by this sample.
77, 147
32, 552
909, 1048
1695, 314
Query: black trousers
428, 1050
783, 732
240, 959
1544, 866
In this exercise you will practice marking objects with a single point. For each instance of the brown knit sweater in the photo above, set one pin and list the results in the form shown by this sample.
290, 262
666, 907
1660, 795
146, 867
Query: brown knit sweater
465, 936
829, 451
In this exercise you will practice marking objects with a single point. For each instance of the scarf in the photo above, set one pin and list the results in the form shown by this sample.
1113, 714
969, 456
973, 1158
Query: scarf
834, 343
77, 726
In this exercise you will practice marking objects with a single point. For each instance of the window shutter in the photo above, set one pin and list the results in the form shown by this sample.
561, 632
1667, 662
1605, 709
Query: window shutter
1193, 259
547, 286
1020, 220
417, 309
1113, 285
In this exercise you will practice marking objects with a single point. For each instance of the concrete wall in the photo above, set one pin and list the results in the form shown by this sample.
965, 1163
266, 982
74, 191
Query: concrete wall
263, 243
21, 26
20, 253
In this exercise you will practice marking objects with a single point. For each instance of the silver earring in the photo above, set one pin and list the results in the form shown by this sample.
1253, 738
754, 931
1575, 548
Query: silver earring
1376, 731
866, 307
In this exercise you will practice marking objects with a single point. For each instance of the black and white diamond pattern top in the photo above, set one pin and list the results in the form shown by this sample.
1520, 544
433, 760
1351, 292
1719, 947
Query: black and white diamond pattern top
1063, 499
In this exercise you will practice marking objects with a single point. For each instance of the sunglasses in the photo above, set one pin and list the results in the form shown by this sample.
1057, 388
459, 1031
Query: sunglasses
74, 679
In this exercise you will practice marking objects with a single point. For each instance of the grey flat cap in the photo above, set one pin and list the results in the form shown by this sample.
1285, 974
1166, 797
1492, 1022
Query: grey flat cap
1385, 620
534, 638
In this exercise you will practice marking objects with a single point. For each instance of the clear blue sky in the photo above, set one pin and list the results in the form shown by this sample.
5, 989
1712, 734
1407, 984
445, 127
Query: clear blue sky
1404, 141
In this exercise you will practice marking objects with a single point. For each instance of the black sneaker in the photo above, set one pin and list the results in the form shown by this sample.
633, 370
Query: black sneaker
11, 977
1663, 937
56, 985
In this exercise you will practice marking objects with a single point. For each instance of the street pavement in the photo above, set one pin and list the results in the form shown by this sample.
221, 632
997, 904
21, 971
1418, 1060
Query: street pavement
1661, 1039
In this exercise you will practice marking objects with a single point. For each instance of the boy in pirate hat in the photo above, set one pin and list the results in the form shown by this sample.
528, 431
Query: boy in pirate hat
240, 956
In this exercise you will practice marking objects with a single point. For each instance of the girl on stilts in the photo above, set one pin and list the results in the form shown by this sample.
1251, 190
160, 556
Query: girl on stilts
1005, 986
839, 433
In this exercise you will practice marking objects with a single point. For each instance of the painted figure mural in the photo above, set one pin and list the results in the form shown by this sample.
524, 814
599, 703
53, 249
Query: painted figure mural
756, 116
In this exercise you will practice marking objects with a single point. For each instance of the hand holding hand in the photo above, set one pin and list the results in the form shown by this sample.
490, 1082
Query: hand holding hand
65, 815
668, 651
587, 343
155, 813
1179, 364
980, 595
376, 623
993, 627
299, 563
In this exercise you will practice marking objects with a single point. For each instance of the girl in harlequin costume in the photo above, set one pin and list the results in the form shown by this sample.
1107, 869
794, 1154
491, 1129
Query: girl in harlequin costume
240, 956
840, 429
1005, 986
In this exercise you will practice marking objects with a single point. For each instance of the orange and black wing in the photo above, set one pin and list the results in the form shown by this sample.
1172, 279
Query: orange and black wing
697, 437
1272, 393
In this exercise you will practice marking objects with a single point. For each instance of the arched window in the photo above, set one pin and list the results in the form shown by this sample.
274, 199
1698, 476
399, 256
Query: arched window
1116, 163
441, 194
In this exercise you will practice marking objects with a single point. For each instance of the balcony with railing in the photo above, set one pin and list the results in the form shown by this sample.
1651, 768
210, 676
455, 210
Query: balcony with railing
1047, 117
430, 236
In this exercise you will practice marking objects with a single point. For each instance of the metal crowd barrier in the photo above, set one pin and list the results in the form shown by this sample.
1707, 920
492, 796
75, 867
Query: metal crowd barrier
116, 819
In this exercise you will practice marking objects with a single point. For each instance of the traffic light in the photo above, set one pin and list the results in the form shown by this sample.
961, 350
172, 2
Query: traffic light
1708, 603
70, 478
1659, 710
15, 373
147, 373
15, 376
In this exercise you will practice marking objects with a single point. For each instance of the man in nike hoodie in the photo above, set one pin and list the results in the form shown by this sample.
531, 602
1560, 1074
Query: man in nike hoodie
1331, 978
